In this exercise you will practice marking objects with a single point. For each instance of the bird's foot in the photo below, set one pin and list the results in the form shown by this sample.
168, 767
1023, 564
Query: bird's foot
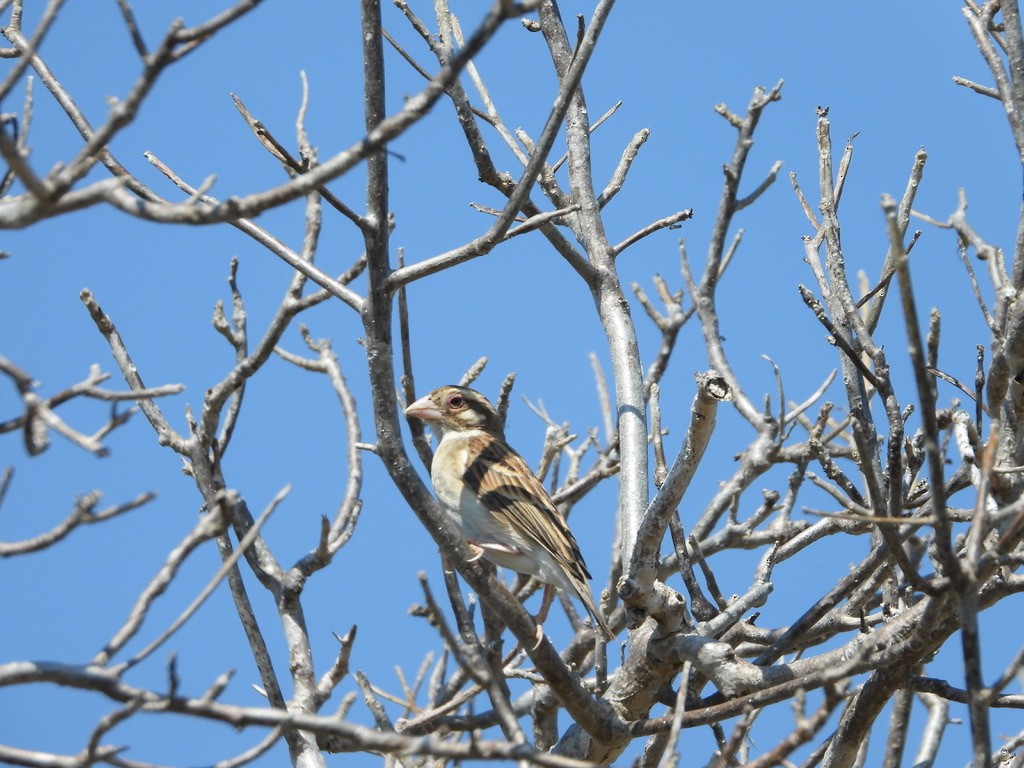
539, 635
477, 551
542, 615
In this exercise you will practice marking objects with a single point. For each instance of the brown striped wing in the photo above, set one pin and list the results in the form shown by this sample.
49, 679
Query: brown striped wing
509, 490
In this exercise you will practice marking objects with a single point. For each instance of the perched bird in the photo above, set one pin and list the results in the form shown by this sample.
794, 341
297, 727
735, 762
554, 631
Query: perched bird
494, 499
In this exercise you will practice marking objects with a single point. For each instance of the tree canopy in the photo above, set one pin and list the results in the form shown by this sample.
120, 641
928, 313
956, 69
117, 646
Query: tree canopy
744, 284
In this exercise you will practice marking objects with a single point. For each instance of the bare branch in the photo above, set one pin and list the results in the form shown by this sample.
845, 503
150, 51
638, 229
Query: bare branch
669, 222
185, 615
85, 513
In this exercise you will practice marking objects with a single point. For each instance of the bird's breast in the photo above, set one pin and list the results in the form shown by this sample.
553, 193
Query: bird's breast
447, 476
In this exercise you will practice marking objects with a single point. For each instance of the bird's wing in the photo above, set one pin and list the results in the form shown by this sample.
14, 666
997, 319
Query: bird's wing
508, 489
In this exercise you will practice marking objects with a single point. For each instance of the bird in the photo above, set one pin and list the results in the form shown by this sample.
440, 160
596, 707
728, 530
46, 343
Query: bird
496, 502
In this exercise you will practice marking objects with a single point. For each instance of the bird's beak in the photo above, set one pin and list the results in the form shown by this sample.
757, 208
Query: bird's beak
425, 409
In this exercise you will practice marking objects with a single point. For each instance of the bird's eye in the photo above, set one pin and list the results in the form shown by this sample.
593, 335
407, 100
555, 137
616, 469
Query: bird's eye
456, 401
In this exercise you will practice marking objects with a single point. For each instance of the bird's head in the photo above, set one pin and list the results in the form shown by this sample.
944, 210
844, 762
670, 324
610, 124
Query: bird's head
457, 409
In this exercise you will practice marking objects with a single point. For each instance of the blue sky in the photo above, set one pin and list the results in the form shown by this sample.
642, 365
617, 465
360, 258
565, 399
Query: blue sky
884, 71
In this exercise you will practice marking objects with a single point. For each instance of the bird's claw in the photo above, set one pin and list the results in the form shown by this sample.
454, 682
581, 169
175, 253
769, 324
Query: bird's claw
539, 636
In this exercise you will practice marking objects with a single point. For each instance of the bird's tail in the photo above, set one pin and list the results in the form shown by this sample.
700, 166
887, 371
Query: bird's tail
587, 598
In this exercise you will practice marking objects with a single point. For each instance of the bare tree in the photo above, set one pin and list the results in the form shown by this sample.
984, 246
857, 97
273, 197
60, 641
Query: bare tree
934, 488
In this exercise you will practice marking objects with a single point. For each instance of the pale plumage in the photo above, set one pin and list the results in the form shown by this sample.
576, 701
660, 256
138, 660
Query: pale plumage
494, 499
